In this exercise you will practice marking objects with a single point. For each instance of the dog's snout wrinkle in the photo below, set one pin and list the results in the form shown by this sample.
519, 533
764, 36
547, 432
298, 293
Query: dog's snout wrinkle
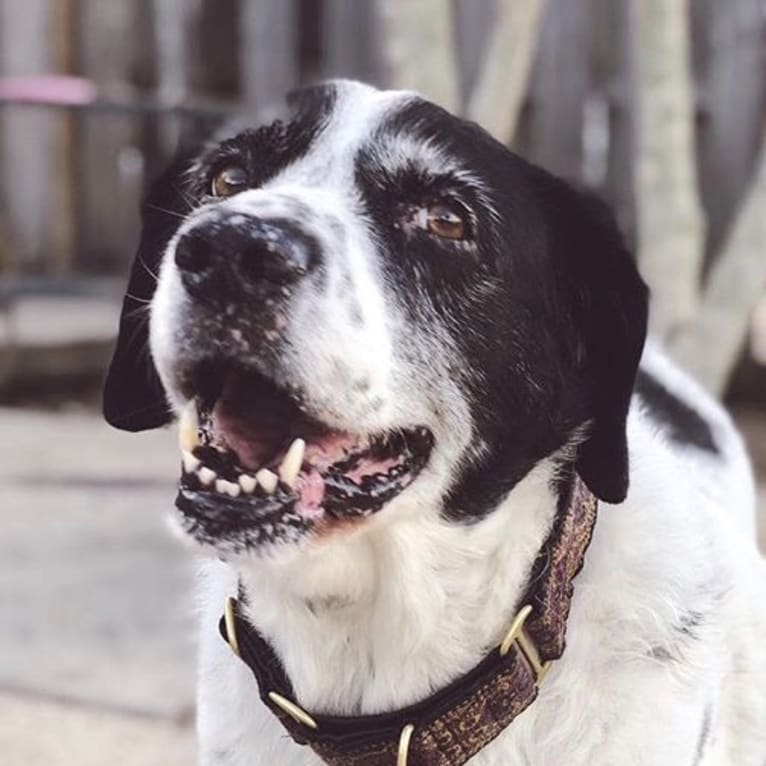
222, 260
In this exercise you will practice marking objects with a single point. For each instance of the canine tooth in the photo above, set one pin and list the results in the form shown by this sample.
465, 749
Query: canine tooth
248, 483
206, 476
191, 463
291, 464
188, 426
267, 479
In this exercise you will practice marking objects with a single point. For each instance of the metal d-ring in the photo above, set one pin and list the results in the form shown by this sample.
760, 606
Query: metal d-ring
404, 745
518, 636
295, 712
230, 620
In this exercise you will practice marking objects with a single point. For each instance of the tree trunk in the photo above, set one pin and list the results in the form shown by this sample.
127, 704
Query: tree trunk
670, 224
502, 83
419, 48
709, 349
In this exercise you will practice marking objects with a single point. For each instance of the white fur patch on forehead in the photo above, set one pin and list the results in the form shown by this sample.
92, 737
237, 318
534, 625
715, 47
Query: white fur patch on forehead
358, 110
400, 152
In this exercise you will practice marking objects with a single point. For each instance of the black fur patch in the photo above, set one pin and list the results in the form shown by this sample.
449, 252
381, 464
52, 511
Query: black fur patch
546, 307
682, 424
262, 152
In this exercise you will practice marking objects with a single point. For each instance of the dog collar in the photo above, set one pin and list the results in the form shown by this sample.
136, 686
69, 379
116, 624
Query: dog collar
455, 723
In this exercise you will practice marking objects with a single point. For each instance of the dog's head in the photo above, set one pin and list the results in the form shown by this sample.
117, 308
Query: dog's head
371, 305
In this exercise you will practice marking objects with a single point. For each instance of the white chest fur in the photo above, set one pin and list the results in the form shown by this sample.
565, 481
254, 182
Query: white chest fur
396, 614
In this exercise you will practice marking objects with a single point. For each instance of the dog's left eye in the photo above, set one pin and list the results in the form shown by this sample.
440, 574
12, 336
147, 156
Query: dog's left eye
229, 181
445, 219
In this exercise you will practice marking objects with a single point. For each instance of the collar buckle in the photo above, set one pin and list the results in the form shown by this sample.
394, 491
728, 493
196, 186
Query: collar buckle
518, 636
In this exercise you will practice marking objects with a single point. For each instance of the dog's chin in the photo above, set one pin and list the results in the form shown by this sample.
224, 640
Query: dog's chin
260, 473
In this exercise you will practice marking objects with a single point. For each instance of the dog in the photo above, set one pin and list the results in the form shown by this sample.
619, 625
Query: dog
394, 347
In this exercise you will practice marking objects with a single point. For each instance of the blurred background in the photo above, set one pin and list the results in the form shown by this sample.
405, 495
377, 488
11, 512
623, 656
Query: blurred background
658, 105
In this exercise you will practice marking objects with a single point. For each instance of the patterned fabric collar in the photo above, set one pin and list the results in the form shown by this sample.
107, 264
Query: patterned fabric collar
455, 723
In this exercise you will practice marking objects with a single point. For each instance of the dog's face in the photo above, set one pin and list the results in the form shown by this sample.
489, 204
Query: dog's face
369, 307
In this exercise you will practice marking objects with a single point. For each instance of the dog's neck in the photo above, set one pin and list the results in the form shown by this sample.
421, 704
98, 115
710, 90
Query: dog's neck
381, 618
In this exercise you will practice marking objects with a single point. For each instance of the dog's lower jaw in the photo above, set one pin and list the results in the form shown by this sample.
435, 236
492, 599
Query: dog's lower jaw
382, 618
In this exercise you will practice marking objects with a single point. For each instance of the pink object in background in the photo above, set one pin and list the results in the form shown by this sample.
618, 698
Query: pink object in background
49, 89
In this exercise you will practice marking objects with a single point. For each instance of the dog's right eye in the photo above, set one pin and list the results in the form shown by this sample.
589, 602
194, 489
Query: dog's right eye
229, 181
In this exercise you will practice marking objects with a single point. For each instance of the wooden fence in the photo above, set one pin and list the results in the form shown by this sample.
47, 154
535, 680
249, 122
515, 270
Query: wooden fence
70, 180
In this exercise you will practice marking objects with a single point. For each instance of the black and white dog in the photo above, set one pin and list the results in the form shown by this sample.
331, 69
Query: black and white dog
389, 340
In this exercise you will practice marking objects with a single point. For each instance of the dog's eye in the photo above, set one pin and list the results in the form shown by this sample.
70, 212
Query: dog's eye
229, 181
446, 221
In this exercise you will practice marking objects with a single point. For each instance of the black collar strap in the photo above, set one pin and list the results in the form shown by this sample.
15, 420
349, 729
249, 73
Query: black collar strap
455, 723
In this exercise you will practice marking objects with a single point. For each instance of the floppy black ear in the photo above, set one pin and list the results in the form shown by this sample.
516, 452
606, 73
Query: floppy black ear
607, 300
134, 398
610, 311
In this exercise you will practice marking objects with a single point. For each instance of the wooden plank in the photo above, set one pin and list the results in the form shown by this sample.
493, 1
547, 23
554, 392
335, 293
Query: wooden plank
267, 50
173, 23
350, 30
33, 144
670, 219
730, 66
114, 46
497, 100
553, 129
473, 24
616, 75
418, 41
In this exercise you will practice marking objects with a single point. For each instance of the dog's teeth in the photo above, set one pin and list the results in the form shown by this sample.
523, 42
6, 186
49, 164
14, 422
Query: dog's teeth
291, 465
188, 427
191, 463
223, 487
206, 476
268, 480
248, 483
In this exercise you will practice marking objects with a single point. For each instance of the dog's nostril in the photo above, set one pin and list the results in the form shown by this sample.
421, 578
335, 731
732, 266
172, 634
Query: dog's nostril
193, 253
275, 260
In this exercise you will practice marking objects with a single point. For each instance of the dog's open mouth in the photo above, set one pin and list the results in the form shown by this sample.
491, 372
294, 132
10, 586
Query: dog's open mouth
255, 465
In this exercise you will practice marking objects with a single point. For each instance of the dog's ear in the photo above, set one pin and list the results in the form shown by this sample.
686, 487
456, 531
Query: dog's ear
612, 307
608, 302
134, 398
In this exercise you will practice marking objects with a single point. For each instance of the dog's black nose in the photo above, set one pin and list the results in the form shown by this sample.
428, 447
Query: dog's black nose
224, 258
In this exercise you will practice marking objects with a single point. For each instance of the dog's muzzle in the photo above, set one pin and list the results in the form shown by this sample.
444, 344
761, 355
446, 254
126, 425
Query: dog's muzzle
262, 464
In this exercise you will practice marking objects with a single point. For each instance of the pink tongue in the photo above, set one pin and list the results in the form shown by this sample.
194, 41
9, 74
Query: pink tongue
310, 490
